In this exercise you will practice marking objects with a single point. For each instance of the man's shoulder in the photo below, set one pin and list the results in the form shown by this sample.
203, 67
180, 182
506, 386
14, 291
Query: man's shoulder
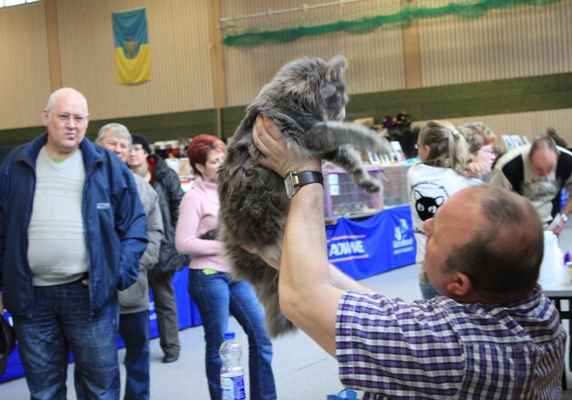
564, 161
145, 190
511, 166
514, 154
97, 152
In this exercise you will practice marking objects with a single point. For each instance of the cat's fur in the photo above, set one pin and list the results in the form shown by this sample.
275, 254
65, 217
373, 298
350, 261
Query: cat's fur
306, 99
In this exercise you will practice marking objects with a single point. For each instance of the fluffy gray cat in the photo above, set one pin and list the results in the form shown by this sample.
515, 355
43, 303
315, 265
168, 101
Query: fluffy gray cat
306, 99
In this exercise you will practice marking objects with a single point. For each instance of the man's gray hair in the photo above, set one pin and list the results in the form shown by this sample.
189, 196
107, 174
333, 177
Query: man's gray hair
119, 131
542, 143
54, 96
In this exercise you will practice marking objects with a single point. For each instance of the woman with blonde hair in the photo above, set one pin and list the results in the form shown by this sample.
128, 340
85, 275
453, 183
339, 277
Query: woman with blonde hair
444, 155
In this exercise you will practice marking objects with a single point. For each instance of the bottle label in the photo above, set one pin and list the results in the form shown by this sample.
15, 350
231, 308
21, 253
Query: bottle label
233, 387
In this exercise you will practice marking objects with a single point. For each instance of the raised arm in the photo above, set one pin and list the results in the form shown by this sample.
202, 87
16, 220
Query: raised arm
307, 296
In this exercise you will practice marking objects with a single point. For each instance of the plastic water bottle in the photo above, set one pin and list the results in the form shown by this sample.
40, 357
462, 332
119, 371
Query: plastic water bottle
231, 373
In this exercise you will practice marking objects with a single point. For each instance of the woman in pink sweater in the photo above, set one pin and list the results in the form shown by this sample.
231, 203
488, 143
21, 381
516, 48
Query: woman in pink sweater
210, 285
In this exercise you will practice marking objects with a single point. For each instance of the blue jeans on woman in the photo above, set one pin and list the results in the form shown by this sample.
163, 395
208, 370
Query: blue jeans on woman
215, 296
61, 322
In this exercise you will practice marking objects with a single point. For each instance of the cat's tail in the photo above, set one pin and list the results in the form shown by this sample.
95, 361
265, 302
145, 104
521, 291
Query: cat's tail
264, 280
276, 323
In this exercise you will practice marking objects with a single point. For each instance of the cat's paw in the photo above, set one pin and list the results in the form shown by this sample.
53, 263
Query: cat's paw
371, 186
382, 146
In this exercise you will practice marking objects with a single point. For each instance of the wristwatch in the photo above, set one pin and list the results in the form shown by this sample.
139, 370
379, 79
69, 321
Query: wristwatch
564, 217
295, 180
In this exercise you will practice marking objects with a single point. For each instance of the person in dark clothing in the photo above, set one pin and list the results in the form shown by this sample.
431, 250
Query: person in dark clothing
551, 132
166, 183
72, 231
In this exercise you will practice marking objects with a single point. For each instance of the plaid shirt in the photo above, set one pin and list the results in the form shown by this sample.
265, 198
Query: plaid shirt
436, 349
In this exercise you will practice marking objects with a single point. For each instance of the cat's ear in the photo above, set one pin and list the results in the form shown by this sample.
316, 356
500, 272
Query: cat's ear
439, 200
417, 195
336, 66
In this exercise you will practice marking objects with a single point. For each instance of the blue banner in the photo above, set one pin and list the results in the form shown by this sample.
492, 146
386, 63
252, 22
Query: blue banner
378, 244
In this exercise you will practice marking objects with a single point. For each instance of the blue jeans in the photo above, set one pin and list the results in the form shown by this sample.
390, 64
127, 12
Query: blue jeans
134, 330
215, 296
61, 322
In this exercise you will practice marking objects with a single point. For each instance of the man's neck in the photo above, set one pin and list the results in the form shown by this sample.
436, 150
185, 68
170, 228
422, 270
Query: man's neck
139, 169
475, 298
57, 154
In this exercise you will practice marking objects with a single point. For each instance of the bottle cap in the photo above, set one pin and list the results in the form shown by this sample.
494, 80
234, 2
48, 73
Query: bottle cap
229, 335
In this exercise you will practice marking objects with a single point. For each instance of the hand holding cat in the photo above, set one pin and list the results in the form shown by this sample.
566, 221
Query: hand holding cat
276, 155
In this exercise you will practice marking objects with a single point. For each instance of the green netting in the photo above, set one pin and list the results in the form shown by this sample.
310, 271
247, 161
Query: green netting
254, 36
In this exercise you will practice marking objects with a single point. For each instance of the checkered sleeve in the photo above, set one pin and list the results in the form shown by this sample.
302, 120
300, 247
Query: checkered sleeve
398, 349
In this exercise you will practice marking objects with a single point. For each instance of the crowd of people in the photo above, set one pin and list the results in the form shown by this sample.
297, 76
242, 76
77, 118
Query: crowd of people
86, 229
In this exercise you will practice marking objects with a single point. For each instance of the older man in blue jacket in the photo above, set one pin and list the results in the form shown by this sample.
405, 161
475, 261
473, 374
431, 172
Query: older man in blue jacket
72, 230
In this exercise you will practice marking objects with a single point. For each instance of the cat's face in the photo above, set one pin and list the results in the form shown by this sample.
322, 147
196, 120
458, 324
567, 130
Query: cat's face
318, 85
426, 207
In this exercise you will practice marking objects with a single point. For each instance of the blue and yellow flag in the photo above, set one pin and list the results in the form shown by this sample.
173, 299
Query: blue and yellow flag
131, 47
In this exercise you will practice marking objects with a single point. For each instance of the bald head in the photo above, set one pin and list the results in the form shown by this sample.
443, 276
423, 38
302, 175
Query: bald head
504, 255
66, 119
543, 156
68, 93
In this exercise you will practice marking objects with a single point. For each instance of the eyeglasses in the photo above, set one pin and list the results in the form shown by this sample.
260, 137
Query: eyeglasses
487, 151
64, 117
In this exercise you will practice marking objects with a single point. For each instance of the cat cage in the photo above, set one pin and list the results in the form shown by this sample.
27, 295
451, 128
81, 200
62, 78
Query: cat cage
395, 185
342, 197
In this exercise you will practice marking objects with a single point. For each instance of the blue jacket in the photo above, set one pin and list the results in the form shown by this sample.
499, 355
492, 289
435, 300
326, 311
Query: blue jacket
114, 223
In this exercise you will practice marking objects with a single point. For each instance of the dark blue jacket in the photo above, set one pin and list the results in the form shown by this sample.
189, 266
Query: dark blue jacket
114, 224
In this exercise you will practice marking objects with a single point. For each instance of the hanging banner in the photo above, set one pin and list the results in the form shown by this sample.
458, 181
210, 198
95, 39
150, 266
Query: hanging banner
132, 58
378, 244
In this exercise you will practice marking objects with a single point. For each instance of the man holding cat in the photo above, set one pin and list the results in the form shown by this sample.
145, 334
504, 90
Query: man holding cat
484, 249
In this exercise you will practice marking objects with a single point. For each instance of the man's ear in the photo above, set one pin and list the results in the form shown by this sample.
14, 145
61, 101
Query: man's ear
461, 285
45, 117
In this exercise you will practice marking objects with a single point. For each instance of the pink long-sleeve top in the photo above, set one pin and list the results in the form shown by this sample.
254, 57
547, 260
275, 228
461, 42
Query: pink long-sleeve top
198, 213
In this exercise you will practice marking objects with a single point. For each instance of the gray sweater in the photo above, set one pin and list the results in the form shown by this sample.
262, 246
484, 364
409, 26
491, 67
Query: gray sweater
136, 297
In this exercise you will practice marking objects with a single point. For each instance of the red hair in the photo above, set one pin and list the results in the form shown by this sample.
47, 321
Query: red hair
199, 148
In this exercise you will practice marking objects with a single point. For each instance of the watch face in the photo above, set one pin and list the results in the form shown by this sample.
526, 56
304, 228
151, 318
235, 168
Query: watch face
289, 184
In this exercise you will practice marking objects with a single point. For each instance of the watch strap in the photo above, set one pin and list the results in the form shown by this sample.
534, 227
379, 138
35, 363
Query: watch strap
564, 217
295, 180
307, 177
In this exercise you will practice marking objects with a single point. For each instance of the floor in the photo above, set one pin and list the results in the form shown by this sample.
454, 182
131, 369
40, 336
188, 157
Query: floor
302, 369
